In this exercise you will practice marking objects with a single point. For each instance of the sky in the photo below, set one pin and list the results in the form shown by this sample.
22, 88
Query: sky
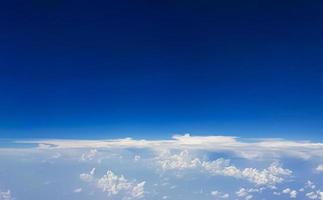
151, 69
161, 100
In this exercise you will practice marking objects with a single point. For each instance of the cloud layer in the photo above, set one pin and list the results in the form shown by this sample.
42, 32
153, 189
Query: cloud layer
183, 167
250, 148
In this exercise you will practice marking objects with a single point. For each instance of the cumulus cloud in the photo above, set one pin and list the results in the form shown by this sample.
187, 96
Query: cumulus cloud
293, 194
312, 195
90, 155
270, 176
310, 184
88, 177
112, 185
242, 192
246, 193
319, 168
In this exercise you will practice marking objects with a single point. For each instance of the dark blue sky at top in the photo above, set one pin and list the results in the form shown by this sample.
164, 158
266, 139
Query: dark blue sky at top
107, 69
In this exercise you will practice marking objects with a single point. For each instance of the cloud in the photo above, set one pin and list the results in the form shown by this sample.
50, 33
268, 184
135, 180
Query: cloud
319, 168
317, 195
90, 155
311, 195
77, 190
245, 148
5, 195
137, 158
242, 192
87, 177
270, 176
293, 194
194, 165
180, 161
245, 193
220, 195
112, 185
310, 184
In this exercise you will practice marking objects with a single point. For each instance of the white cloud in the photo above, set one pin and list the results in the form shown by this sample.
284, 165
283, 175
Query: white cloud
138, 190
261, 148
90, 155
315, 195
321, 195
87, 177
319, 168
310, 184
77, 190
286, 191
293, 194
221, 195
137, 158
249, 197
180, 161
242, 192
113, 184
311, 195
270, 176
5, 195
245, 193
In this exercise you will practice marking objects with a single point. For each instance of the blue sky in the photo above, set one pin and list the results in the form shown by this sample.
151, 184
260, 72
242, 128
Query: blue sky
151, 69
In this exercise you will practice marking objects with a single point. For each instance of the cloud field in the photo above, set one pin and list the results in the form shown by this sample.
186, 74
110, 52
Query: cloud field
183, 167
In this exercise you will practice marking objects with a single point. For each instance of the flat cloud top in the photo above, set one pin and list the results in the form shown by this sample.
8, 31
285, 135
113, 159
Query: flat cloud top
246, 148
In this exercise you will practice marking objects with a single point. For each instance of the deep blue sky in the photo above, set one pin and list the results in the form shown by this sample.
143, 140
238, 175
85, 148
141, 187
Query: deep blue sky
108, 69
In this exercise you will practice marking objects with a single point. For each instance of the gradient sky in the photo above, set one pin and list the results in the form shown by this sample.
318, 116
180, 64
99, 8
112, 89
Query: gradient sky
148, 69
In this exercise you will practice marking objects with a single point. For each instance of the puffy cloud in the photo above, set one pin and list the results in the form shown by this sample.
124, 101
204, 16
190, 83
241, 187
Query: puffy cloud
311, 195
137, 158
290, 192
249, 197
286, 191
113, 184
319, 168
87, 177
221, 195
179, 161
242, 192
310, 184
293, 194
5, 195
261, 148
318, 195
270, 176
90, 155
